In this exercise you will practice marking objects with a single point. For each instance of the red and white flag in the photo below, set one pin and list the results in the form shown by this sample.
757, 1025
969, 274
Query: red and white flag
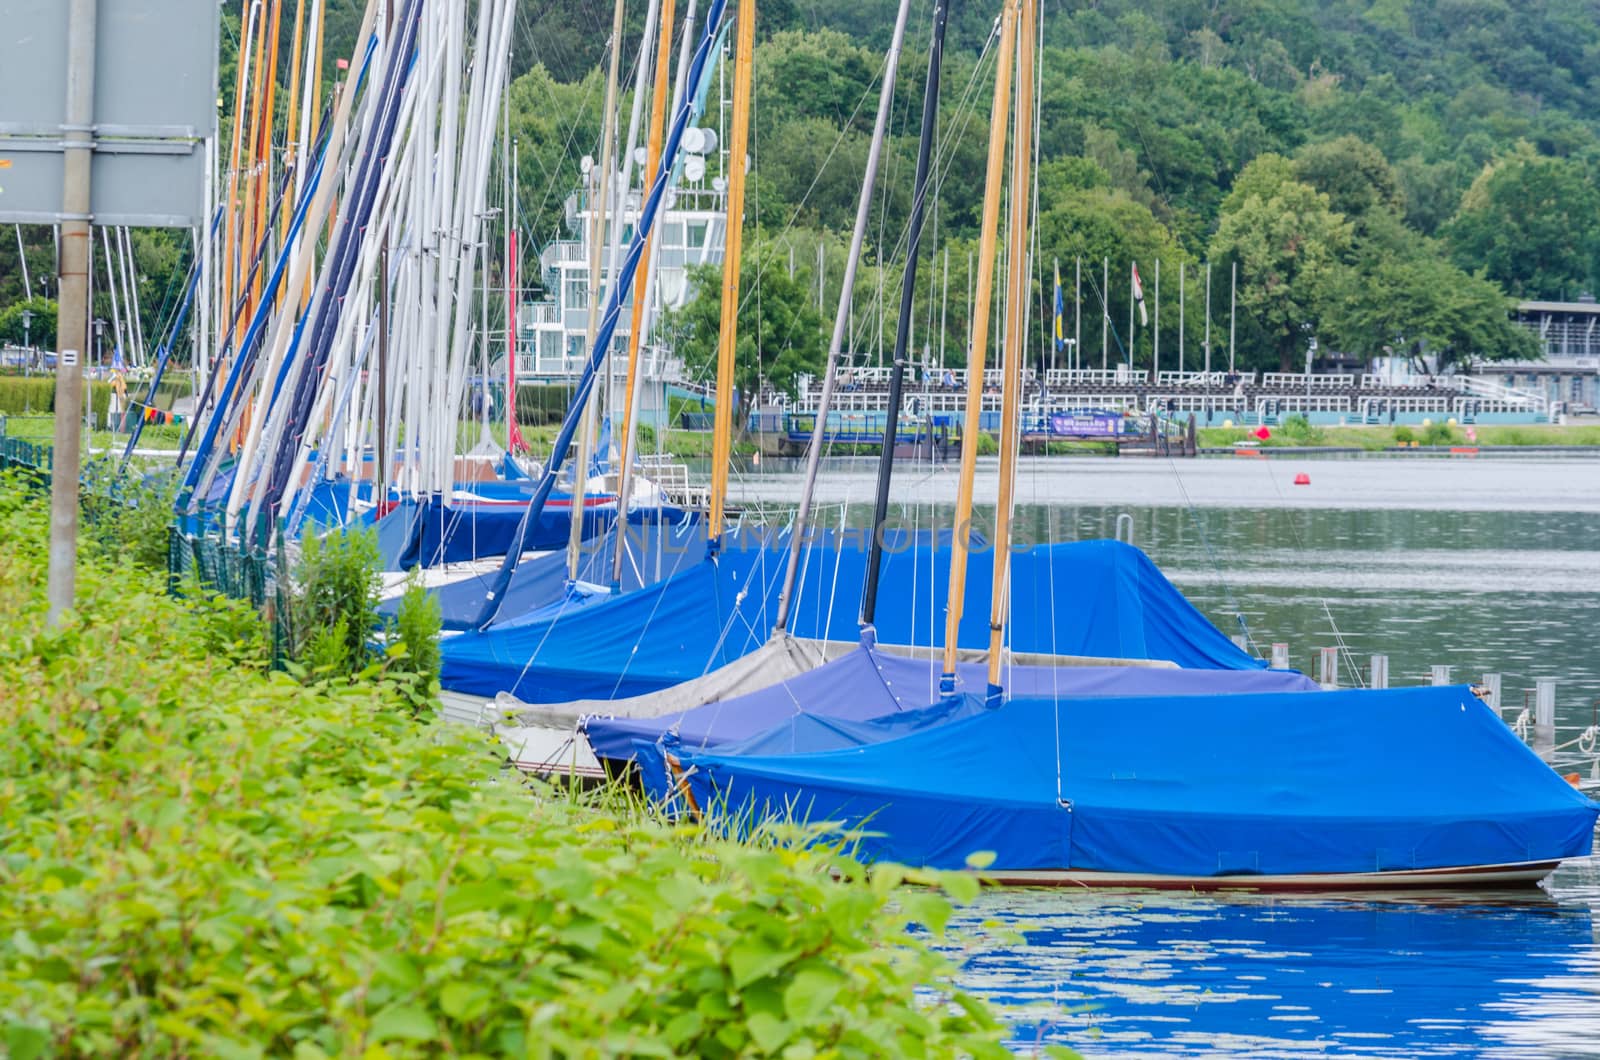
1138, 296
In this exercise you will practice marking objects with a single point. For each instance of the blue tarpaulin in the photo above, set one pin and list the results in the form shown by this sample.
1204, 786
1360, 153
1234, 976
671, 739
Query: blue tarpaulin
658, 544
876, 686
1281, 783
1096, 598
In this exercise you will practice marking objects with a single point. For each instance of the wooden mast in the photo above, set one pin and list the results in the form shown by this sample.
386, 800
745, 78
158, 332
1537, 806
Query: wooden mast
1016, 339
978, 321
641, 288
292, 116
739, 140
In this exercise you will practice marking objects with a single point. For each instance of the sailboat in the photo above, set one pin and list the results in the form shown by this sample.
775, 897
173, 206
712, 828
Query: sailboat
1224, 788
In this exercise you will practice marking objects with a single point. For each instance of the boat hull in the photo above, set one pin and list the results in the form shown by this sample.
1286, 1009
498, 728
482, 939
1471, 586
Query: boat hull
1514, 874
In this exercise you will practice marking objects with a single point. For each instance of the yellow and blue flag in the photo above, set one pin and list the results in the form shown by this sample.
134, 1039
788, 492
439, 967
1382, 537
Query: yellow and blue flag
1061, 312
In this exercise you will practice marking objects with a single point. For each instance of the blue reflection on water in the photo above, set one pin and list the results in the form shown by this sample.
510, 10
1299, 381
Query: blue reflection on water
1496, 974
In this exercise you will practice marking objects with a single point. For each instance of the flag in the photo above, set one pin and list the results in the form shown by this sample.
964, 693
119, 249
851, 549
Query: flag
1138, 296
1061, 312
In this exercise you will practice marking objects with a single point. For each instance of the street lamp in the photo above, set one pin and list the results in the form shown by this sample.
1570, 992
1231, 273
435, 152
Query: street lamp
99, 341
27, 335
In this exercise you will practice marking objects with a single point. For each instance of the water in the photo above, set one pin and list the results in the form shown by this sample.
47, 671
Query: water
1487, 565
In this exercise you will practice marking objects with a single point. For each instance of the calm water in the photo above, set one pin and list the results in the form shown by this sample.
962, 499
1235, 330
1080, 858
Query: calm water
1486, 565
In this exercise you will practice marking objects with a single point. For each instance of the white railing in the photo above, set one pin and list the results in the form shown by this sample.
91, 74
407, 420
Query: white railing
1299, 381
1081, 376
1467, 407
1526, 400
1274, 404
1374, 408
1190, 379
1192, 402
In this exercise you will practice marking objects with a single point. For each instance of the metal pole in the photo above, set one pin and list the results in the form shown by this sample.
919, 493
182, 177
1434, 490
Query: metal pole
1233, 304
1105, 310
1208, 325
1077, 313
72, 290
1180, 317
919, 194
1155, 332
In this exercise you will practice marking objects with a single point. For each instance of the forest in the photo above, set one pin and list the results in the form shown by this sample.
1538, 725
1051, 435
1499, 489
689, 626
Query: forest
1386, 176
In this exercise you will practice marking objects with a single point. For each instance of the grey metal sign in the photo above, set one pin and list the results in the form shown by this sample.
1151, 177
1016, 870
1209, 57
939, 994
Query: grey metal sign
155, 103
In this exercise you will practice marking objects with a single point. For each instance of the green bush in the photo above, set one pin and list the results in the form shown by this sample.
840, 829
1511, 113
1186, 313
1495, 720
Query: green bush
1440, 434
416, 632
335, 600
202, 860
128, 515
1403, 435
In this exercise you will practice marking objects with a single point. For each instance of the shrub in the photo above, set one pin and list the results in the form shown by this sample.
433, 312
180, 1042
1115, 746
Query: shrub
334, 606
203, 860
416, 632
128, 514
1403, 435
1440, 434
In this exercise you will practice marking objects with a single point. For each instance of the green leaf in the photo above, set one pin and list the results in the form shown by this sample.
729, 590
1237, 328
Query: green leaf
768, 1032
752, 959
25, 1041
463, 1002
810, 993
980, 859
407, 1022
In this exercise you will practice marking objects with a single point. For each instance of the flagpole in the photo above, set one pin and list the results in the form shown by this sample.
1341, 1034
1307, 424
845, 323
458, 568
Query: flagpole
1155, 332
1180, 319
1208, 323
1076, 356
1133, 270
1105, 312
1233, 305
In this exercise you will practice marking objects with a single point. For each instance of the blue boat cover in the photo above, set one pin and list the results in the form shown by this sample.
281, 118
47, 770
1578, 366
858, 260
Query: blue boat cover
1278, 783
1097, 598
428, 532
655, 550
878, 687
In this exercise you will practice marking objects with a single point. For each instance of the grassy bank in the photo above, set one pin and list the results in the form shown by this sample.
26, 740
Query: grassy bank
202, 858
1376, 439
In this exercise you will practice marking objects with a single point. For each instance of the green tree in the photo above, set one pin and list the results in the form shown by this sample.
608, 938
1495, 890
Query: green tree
1288, 243
41, 330
1533, 224
1353, 174
1422, 305
780, 330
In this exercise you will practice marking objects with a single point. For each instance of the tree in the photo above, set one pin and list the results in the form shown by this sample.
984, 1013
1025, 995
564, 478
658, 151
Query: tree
1353, 174
1098, 223
1288, 242
1533, 224
41, 329
1423, 305
780, 331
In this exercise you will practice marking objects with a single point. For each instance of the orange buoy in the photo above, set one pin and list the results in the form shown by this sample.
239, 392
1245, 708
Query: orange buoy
1302, 479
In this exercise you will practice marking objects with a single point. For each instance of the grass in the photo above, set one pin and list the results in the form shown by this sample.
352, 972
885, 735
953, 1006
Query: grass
1375, 439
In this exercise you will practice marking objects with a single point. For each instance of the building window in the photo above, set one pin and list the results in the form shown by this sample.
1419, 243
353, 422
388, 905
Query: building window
1577, 388
697, 234
672, 235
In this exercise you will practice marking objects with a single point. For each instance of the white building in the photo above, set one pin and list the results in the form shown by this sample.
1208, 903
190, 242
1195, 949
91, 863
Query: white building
552, 334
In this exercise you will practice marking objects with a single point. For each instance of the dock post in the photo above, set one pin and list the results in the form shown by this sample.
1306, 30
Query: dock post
1328, 668
1280, 655
1544, 712
1380, 672
1441, 675
1491, 692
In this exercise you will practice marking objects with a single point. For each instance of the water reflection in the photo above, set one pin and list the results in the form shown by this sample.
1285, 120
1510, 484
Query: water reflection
1512, 974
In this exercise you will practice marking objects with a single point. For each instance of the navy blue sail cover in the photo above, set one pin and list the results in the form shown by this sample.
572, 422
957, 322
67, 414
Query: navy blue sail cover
870, 683
1095, 598
1278, 783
